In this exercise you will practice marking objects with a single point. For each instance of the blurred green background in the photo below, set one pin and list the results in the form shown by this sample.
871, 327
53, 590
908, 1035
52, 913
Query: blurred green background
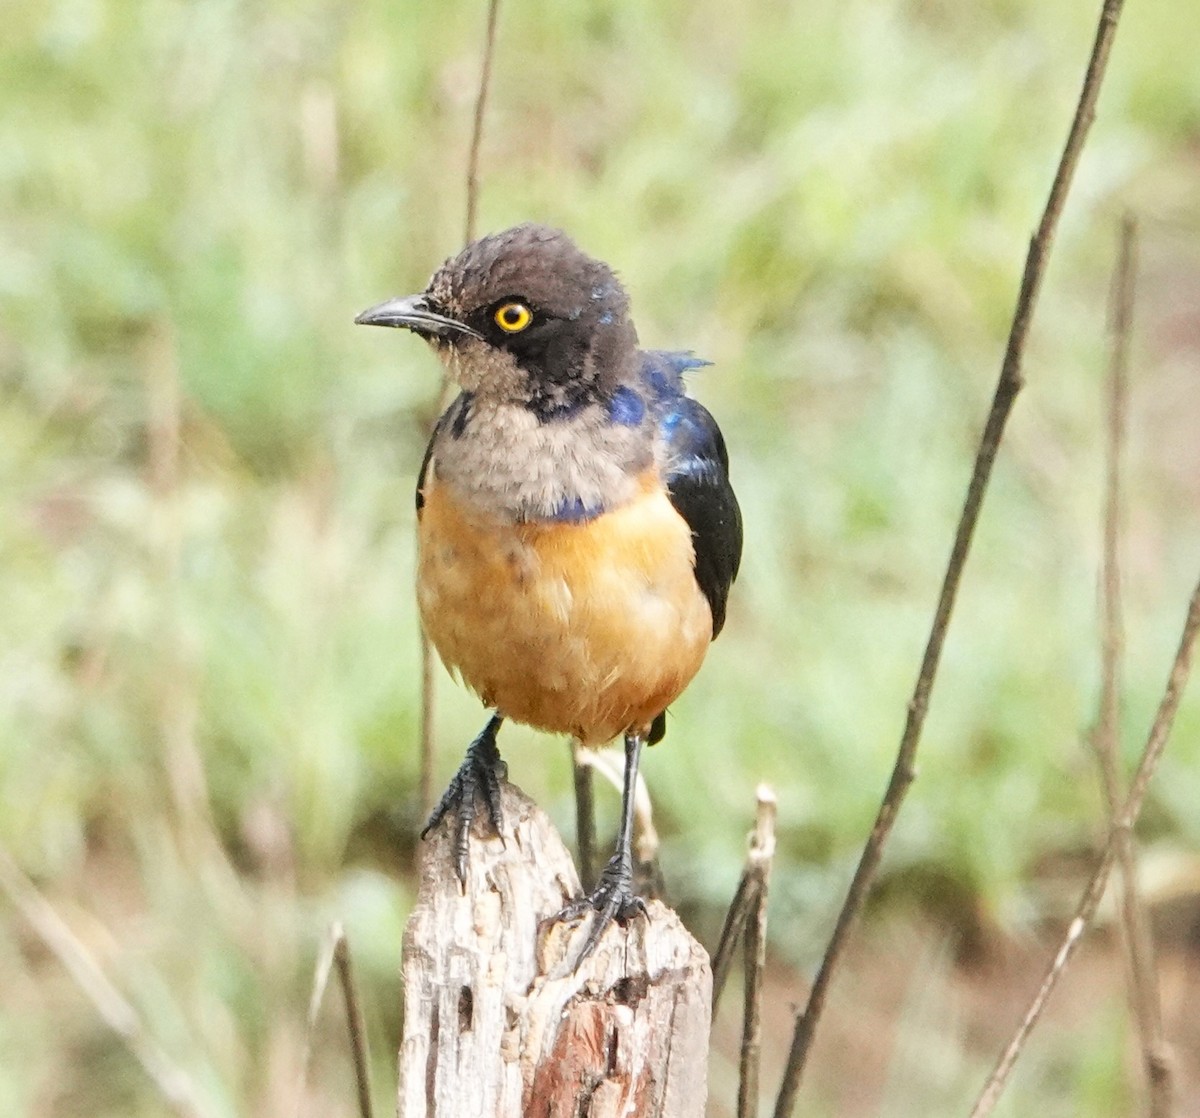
209, 684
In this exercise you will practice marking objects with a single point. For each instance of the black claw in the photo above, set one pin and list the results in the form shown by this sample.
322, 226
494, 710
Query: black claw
480, 775
612, 899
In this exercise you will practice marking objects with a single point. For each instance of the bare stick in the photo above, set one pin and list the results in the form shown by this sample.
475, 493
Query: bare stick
740, 907
321, 973
335, 950
485, 82
428, 701
762, 852
169, 1079
610, 764
1139, 944
1008, 386
761, 849
1123, 824
1106, 735
585, 815
355, 1023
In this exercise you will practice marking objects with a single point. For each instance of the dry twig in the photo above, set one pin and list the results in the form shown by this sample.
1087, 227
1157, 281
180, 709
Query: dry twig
610, 764
1008, 386
762, 852
746, 921
355, 1024
1123, 824
321, 973
485, 83
585, 815
169, 1079
1139, 944
731, 933
745, 898
335, 951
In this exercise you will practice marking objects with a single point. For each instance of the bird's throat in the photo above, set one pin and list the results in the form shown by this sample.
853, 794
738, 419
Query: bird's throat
507, 461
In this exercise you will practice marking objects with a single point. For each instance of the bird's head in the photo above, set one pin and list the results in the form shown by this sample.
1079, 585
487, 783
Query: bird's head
523, 316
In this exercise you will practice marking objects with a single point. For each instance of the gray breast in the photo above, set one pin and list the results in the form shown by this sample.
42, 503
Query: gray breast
507, 461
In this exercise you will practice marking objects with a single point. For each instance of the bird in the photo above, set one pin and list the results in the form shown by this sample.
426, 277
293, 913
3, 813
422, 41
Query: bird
577, 531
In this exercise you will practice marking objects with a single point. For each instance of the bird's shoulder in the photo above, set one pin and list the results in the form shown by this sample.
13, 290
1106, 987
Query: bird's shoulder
694, 463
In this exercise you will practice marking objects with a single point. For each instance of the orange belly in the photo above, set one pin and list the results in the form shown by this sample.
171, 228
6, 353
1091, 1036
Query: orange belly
588, 629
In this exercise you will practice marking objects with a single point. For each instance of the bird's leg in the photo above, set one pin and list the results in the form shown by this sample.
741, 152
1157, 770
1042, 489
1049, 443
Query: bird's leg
480, 775
613, 897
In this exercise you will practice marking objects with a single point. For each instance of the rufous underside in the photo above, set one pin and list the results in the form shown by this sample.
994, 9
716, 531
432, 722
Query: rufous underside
589, 629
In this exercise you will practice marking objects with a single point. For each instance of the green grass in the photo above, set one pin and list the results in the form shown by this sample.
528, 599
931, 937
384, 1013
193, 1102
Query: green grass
209, 687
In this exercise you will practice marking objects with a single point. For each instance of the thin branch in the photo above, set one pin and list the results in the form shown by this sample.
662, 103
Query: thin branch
1105, 738
762, 852
1008, 386
169, 1079
335, 951
743, 903
485, 82
1161, 730
355, 1023
610, 764
1155, 744
585, 815
321, 973
1139, 944
428, 695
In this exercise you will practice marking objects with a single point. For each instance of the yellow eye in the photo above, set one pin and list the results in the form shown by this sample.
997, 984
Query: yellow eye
512, 318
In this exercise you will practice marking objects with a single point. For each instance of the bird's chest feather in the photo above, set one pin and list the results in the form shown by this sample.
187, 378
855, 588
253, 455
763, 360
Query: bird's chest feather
504, 459
587, 628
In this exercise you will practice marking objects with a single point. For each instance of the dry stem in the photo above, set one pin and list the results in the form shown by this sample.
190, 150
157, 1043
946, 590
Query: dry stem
485, 82
1006, 390
335, 951
1139, 944
762, 852
355, 1024
585, 815
1123, 824
169, 1079
740, 907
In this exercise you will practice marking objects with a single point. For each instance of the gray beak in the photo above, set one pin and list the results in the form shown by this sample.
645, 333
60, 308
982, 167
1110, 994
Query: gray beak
413, 313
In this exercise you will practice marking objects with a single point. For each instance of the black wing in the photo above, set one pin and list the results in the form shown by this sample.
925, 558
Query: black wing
697, 477
455, 417
420, 494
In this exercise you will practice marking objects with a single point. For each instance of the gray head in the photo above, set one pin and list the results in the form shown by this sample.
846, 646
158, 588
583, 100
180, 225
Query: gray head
524, 316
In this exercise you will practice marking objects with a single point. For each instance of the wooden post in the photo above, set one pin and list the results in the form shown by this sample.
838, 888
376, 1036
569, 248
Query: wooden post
496, 1025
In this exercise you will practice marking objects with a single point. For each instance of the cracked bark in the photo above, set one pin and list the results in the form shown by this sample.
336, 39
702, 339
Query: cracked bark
495, 1024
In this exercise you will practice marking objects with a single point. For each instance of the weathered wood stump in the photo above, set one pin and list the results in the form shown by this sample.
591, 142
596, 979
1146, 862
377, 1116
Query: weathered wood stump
496, 1025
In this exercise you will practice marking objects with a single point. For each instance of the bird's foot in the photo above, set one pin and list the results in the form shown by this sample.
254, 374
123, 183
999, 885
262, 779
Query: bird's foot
613, 898
479, 776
